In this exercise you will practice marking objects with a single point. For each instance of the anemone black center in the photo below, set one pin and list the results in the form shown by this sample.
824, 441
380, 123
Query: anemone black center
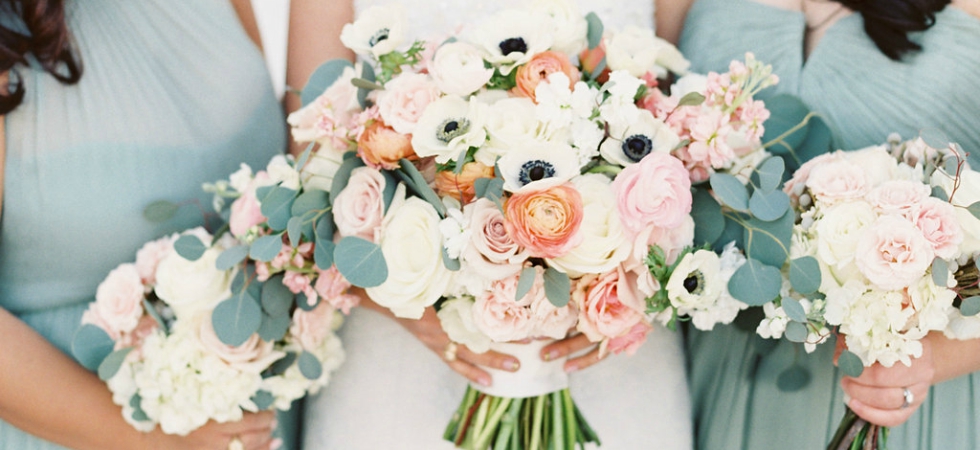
694, 283
637, 146
452, 128
380, 35
536, 170
511, 45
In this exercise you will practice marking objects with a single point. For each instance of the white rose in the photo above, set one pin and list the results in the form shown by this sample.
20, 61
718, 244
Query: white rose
511, 124
878, 165
637, 51
967, 193
837, 235
605, 245
569, 27
458, 69
456, 317
412, 246
377, 31
193, 287
448, 127
321, 167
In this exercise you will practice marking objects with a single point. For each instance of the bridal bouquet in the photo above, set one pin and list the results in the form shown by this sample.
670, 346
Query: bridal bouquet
164, 334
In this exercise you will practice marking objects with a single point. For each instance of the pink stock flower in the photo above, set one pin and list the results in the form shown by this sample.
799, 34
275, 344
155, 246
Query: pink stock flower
359, 208
246, 211
300, 283
892, 253
344, 302
545, 218
503, 318
332, 287
119, 300
937, 221
709, 140
655, 191
310, 328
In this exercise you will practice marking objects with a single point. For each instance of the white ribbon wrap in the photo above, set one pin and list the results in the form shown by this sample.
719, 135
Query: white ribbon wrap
535, 377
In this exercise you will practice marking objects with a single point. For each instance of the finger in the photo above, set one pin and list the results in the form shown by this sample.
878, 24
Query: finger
586, 360
490, 358
471, 372
883, 417
251, 422
256, 440
566, 347
898, 375
884, 397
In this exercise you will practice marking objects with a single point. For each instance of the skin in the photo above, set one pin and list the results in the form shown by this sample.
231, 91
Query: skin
877, 395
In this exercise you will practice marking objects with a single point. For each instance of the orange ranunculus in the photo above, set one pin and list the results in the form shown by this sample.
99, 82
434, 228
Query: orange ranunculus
460, 186
545, 219
538, 69
381, 146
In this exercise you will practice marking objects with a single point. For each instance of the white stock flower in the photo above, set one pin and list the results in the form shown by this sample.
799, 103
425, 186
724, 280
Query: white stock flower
458, 69
774, 325
455, 235
240, 179
628, 143
377, 31
620, 107
320, 169
193, 287
605, 245
456, 317
510, 38
637, 51
283, 173
448, 127
569, 27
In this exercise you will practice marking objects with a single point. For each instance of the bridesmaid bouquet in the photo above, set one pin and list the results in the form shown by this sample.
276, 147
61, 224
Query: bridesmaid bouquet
165, 334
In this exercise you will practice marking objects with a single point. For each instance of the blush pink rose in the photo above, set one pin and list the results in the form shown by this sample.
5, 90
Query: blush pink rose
937, 221
359, 208
671, 240
551, 321
310, 328
655, 191
253, 356
404, 98
149, 256
545, 218
897, 196
892, 253
838, 180
498, 315
119, 299
491, 253
630, 341
608, 306
795, 186
146, 326
246, 211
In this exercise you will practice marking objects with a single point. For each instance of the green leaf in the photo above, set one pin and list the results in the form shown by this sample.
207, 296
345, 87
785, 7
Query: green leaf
786, 112
263, 400
421, 187
489, 188
771, 173
155, 315
136, 402
294, 230
730, 191
951, 166
309, 366
303, 302
451, 264
691, 99
323, 253
974, 209
850, 364
189, 247
274, 328
323, 77
361, 262
796, 332
755, 283
238, 283
793, 379
769, 242
91, 345
557, 287
525, 282
266, 248
595, 30
310, 200
804, 275
231, 257
940, 272
236, 319
160, 211
308, 232
940, 193
276, 297
305, 156
934, 138
279, 367
391, 186
277, 207
366, 84
709, 222
342, 177
111, 364
367, 73
819, 140
794, 310
970, 306
769, 206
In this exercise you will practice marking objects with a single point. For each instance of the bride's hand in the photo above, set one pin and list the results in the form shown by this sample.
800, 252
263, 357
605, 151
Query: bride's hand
888, 396
254, 432
572, 345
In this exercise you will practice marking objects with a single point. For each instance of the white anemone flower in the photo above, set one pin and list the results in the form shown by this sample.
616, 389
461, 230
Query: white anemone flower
378, 31
538, 161
510, 38
449, 127
628, 143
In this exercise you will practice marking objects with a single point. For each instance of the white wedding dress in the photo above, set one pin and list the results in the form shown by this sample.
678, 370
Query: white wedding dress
394, 393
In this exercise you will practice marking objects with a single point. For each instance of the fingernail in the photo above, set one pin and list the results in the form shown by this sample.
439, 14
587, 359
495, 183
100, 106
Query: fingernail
484, 381
512, 365
847, 399
276, 443
551, 355
571, 368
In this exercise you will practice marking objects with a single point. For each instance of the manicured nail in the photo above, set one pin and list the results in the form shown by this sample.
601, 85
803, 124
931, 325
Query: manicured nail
571, 368
512, 365
483, 381
276, 444
551, 355
847, 399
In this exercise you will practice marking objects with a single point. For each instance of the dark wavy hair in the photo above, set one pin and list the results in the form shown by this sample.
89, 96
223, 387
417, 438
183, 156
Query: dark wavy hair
47, 39
889, 22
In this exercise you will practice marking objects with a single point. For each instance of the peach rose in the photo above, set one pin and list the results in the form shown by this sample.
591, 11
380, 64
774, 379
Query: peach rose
310, 328
655, 191
608, 306
119, 300
359, 208
380, 146
460, 186
545, 218
537, 70
497, 314
892, 253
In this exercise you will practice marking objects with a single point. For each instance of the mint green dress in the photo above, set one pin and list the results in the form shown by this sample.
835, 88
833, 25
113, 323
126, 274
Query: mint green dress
740, 400
173, 95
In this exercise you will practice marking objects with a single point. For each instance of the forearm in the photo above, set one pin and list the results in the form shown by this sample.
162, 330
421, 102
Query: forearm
954, 358
45, 393
670, 15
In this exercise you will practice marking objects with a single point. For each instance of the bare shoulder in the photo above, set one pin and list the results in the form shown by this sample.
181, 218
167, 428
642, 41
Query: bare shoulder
970, 6
670, 15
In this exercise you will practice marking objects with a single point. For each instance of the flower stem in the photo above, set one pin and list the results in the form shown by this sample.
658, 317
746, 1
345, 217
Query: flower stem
536, 425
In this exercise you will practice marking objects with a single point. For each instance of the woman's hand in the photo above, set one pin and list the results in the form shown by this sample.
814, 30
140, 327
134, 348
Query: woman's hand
572, 345
253, 432
888, 396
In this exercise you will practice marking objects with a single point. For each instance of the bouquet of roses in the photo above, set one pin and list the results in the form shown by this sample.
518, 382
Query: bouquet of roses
164, 334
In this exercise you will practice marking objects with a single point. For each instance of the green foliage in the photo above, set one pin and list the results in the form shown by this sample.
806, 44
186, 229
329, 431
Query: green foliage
796, 332
138, 414
305, 156
525, 282
768, 206
940, 193
274, 328
266, 248
451, 264
367, 74
361, 262
970, 306
322, 78
557, 287
595, 30
310, 200
793, 379
342, 177
277, 207
276, 297
940, 271
391, 186
111, 364
91, 345
730, 191
709, 222
263, 400
189, 247
416, 182
237, 318
804, 275
160, 211
691, 99
309, 366
755, 283
770, 173
294, 230
279, 367
502, 82
491, 189
974, 209
850, 364
787, 112
231, 257
769, 242
794, 309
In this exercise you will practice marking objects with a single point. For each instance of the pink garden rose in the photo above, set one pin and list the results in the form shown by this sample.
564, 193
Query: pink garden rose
497, 315
149, 256
838, 180
359, 208
608, 305
404, 98
892, 253
551, 321
897, 196
545, 218
937, 221
246, 211
310, 328
119, 300
655, 191
630, 341
491, 253
253, 356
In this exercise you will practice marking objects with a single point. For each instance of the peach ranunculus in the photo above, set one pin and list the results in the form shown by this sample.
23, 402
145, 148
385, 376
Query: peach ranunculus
655, 191
498, 315
937, 221
310, 328
253, 356
460, 186
892, 253
537, 70
359, 208
380, 146
608, 306
404, 98
545, 218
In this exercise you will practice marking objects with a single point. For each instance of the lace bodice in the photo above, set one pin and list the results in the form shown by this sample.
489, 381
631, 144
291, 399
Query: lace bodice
445, 16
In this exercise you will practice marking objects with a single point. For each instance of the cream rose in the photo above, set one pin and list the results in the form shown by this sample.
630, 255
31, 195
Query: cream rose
359, 208
458, 69
253, 356
456, 317
605, 244
838, 232
193, 287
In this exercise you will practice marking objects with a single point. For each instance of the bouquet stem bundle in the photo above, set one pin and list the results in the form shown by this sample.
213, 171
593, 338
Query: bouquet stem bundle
549, 421
855, 433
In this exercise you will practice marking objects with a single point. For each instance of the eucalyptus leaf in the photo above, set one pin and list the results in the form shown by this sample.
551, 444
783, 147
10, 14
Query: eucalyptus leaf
263, 192
305, 156
796, 332
970, 306
294, 230
934, 138
266, 248
231, 257
323, 253
361, 262
309, 366
361, 83
804, 275
91, 345
793, 379
280, 366
111, 364
940, 193
525, 282
974, 209
160, 211
421, 187
771, 173
152, 312
769, 206
818, 141
730, 191
709, 223
951, 166
277, 207
557, 287
391, 187
237, 318
274, 328
242, 277
189, 247
303, 302
755, 283
323, 77
263, 400
595, 30
310, 200
342, 177
786, 112
769, 242
451, 264
308, 232
691, 99
136, 402
794, 310
367, 73
276, 297
850, 364
940, 272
